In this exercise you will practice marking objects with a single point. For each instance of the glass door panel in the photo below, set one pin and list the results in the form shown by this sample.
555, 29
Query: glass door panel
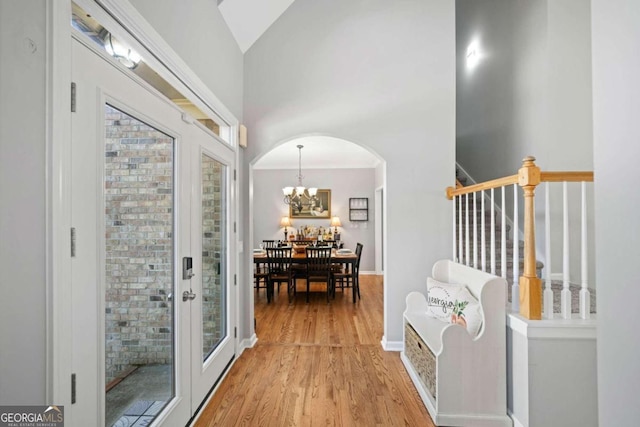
214, 275
139, 252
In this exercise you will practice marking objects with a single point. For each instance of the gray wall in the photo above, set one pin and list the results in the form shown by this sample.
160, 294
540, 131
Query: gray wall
529, 95
616, 102
380, 74
343, 183
23, 196
197, 32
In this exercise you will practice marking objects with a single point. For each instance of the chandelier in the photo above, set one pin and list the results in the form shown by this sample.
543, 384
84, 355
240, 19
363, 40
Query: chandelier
299, 196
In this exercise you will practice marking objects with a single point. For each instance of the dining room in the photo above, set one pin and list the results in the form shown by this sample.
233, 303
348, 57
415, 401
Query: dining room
342, 181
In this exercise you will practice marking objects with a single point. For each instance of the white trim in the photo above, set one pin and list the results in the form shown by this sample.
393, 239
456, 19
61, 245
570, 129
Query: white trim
379, 221
124, 21
391, 345
575, 328
58, 204
516, 421
247, 343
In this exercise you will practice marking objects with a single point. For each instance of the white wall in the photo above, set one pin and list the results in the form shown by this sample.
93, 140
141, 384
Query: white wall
343, 183
23, 197
380, 74
616, 102
530, 94
198, 33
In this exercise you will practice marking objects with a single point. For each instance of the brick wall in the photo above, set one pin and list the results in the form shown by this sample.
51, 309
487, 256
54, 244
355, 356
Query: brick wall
139, 244
213, 253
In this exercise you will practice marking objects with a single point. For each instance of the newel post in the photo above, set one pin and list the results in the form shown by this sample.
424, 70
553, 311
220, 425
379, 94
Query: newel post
530, 284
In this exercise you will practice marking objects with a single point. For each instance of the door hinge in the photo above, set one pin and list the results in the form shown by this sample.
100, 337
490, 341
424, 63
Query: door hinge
235, 332
234, 226
73, 97
234, 174
235, 280
73, 242
73, 388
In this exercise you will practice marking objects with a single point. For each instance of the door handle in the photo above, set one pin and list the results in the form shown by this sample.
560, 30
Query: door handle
188, 295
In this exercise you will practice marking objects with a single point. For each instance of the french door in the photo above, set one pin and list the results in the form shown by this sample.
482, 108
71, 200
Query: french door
152, 264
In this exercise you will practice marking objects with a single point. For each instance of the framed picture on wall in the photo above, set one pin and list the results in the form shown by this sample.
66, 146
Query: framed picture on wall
319, 208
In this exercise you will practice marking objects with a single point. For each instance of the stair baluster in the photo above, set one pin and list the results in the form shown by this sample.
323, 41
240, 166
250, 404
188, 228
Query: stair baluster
548, 293
565, 294
585, 296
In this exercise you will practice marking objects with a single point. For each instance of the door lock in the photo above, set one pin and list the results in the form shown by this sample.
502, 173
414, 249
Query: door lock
188, 295
187, 268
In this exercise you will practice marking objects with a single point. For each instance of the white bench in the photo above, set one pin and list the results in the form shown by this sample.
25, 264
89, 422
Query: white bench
461, 379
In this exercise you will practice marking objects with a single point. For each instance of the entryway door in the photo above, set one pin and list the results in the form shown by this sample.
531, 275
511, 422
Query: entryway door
152, 244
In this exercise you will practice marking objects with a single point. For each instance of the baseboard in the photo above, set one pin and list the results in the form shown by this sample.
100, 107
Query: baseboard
246, 343
516, 421
369, 273
391, 345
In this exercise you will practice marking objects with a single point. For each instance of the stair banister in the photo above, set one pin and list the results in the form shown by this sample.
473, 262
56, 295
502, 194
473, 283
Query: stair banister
530, 285
530, 289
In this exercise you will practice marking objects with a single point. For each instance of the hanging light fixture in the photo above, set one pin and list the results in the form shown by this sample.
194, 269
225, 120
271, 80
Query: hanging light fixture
299, 196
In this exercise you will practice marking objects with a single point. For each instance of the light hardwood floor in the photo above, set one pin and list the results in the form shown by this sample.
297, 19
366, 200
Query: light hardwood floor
317, 364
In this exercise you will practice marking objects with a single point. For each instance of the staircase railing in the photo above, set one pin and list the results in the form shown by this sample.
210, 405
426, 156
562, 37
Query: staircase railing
469, 243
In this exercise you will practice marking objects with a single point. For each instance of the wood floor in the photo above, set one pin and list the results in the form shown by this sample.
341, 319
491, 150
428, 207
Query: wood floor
317, 364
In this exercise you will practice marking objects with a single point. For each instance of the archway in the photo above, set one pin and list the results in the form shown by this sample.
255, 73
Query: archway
349, 169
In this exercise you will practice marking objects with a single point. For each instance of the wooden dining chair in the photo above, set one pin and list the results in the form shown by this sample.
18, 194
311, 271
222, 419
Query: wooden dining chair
260, 276
348, 277
330, 243
269, 243
279, 265
318, 267
299, 270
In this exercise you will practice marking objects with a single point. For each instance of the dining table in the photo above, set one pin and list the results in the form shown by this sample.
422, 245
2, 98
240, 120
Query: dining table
338, 256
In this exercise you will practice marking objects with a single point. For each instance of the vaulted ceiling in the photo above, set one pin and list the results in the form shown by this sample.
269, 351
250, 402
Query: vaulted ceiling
249, 19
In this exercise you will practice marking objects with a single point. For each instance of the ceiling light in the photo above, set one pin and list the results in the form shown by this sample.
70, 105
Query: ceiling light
473, 54
299, 196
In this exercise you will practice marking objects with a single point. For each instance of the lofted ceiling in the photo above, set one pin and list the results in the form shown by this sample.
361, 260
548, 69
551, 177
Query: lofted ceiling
249, 19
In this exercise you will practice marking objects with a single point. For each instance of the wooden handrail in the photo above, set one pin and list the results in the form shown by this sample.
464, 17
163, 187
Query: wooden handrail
577, 176
528, 177
487, 185
568, 176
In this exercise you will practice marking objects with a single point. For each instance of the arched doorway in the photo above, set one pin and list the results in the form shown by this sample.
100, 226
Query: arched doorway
349, 170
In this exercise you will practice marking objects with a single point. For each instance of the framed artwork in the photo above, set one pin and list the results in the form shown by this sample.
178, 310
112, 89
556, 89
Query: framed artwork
320, 208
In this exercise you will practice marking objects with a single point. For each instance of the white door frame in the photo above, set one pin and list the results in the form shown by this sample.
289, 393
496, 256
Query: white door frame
379, 225
142, 36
